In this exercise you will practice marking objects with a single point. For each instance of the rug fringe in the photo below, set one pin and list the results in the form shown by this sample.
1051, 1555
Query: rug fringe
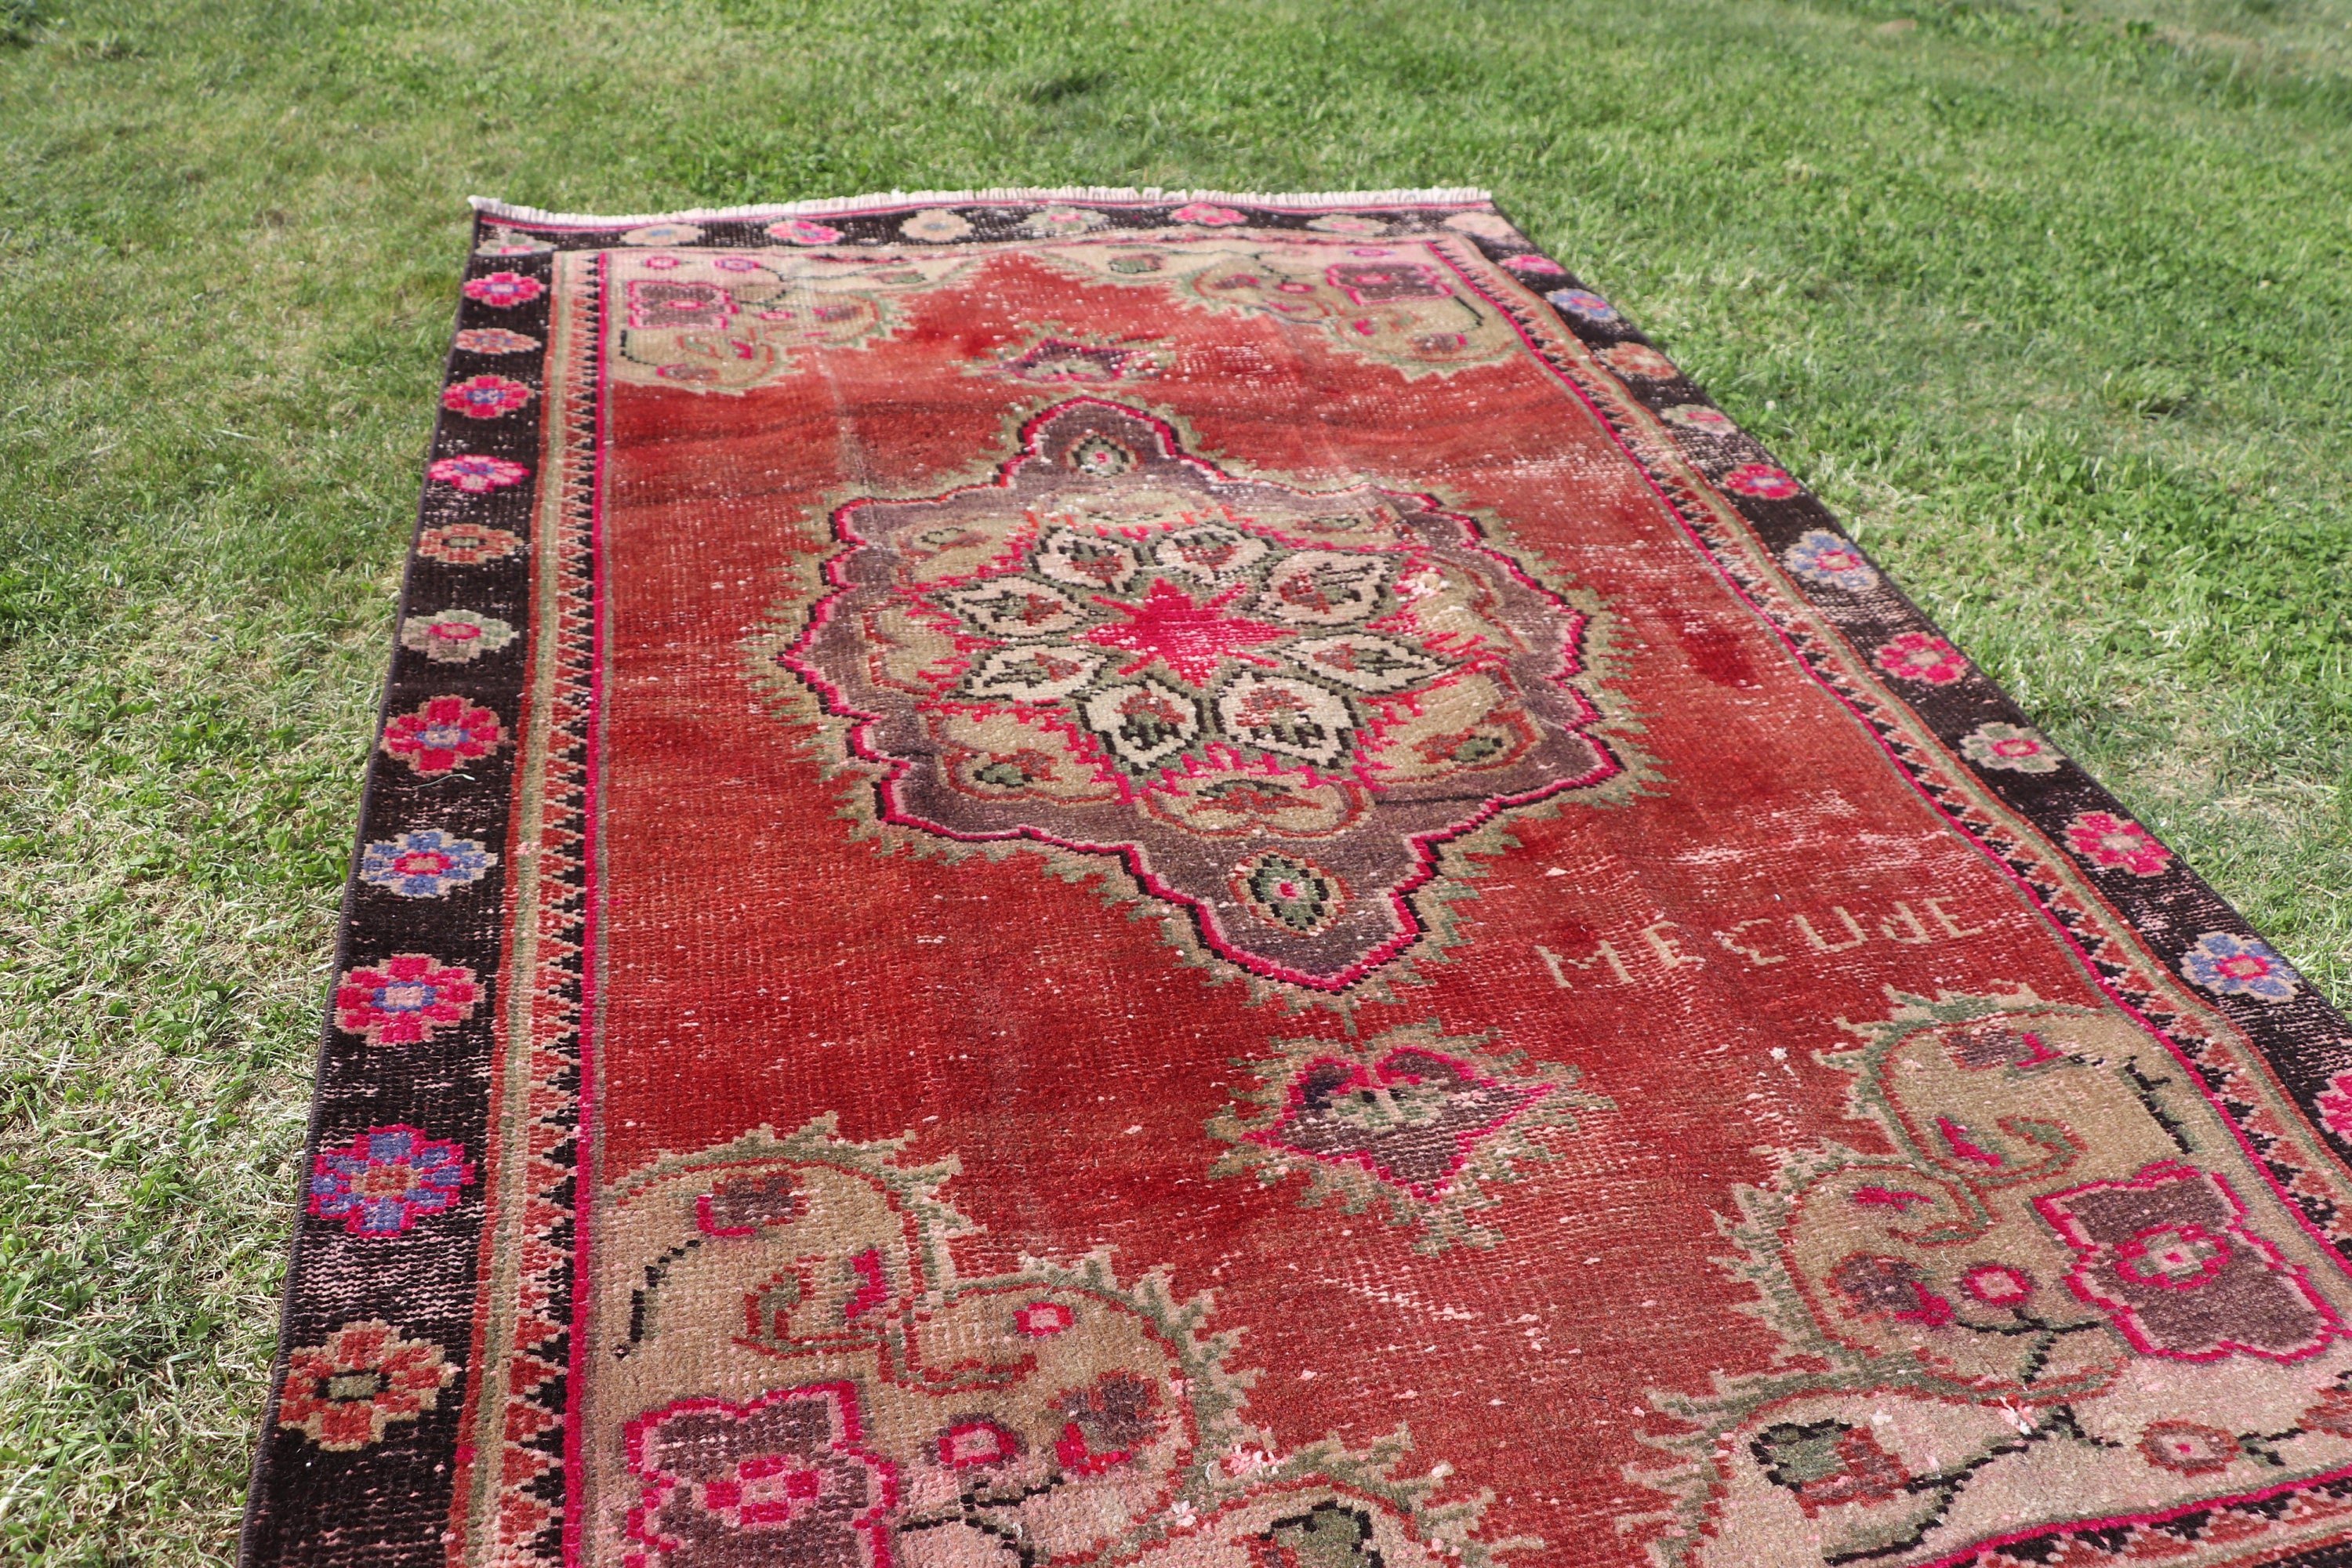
1437, 195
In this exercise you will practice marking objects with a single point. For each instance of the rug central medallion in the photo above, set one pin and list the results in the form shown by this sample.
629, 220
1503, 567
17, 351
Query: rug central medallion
1274, 704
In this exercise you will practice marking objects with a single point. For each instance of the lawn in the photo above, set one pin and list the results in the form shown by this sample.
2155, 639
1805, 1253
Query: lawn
2054, 305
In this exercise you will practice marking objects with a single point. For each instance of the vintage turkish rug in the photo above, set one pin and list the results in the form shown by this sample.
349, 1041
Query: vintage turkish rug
1091, 877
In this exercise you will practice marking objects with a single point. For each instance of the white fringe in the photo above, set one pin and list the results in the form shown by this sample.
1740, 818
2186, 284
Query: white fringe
1150, 195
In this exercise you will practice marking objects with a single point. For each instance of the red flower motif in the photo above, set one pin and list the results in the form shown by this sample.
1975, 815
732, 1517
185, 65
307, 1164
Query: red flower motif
1998, 1284
1042, 1320
1208, 214
404, 1000
1915, 656
1761, 481
1889, 1286
977, 1440
1540, 266
441, 734
2188, 1448
504, 290
2106, 839
485, 397
344, 1392
1828, 1464
476, 473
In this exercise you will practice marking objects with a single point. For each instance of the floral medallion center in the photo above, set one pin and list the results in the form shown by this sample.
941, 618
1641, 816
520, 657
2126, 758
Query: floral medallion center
1274, 704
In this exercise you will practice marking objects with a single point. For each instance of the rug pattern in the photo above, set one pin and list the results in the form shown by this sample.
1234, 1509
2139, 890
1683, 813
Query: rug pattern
2032, 1272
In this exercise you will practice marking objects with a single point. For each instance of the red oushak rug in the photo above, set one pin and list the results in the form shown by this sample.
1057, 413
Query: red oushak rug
1094, 877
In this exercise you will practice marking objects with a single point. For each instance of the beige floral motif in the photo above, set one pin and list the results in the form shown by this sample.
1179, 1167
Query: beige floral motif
2059, 1282
719, 321
935, 226
663, 234
1485, 226
1401, 303
819, 1386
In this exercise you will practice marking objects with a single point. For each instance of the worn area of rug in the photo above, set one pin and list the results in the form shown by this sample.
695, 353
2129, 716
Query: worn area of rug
1092, 877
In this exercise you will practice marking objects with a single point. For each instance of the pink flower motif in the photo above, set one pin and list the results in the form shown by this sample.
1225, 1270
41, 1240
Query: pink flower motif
2106, 839
1536, 266
1915, 656
504, 290
485, 397
1042, 1320
387, 1178
1761, 481
1207, 214
405, 1000
1997, 1285
2011, 748
2336, 1105
800, 231
978, 1441
1699, 417
444, 732
783, 1479
1242, 1462
476, 474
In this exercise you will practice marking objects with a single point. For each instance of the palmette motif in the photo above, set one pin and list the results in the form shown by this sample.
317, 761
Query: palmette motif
2059, 1283
793, 1374
728, 322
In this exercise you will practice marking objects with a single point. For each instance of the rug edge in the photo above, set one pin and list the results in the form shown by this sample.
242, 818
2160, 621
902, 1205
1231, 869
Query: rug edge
877, 201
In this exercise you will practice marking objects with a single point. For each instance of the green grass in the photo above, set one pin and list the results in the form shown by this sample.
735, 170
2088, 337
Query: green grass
2054, 305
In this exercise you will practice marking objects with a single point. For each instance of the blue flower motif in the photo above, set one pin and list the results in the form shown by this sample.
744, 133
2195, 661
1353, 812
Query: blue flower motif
2239, 966
1583, 302
386, 1179
1822, 556
425, 864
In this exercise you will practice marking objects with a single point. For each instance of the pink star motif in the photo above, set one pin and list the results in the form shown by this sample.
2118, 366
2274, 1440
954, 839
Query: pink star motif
1193, 639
